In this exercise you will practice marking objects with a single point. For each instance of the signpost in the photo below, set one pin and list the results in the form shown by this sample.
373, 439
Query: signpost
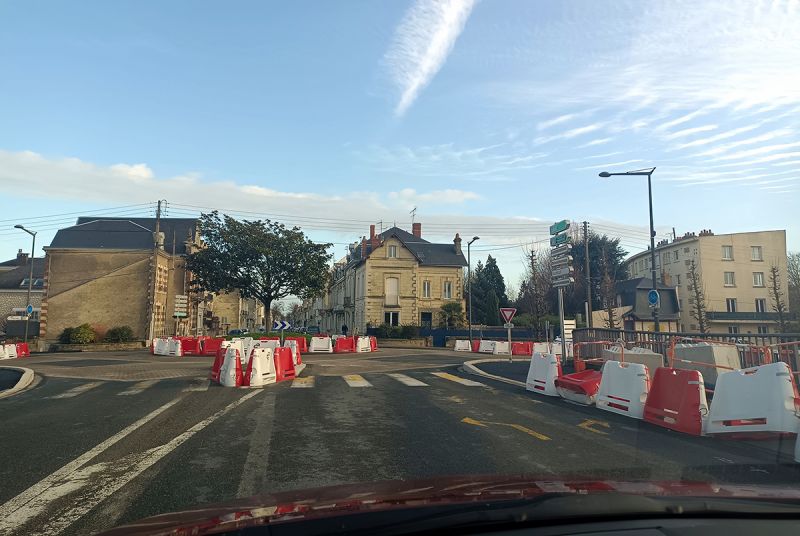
179, 309
560, 239
280, 325
508, 313
561, 272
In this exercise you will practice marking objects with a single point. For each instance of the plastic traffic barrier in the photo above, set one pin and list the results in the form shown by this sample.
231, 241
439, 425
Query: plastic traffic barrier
476, 345
190, 345
230, 375
580, 387
542, 348
9, 351
462, 345
542, 374
174, 348
284, 364
644, 356
710, 360
216, 367
677, 401
23, 350
363, 344
302, 343
344, 345
623, 388
373, 344
321, 344
260, 368
755, 401
161, 346
486, 347
211, 345
502, 348
297, 358
268, 343
522, 348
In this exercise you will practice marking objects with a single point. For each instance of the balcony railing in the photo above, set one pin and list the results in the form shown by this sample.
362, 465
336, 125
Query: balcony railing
747, 315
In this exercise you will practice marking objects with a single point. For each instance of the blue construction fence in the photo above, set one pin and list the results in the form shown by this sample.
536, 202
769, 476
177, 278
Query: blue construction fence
440, 335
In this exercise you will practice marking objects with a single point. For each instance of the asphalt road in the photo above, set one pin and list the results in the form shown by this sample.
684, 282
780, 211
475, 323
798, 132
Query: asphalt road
84, 450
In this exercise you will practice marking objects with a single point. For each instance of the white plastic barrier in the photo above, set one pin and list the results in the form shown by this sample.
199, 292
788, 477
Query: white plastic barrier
271, 344
262, 367
542, 374
321, 345
757, 399
462, 346
227, 374
542, 348
502, 348
643, 356
486, 347
10, 351
707, 354
624, 388
295, 350
160, 346
3, 354
238, 344
174, 348
247, 348
363, 345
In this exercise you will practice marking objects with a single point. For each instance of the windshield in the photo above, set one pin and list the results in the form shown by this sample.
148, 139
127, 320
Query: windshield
256, 248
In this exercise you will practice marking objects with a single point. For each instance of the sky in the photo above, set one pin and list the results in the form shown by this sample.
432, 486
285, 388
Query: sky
492, 118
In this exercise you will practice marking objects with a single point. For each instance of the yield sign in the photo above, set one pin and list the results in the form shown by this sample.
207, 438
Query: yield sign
507, 313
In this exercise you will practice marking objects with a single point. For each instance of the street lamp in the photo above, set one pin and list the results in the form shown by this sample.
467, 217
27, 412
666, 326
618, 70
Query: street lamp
648, 172
469, 284
30, 279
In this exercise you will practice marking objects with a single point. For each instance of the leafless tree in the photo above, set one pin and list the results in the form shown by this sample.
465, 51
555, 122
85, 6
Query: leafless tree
697, 297
608, 293
776, 296
793, 271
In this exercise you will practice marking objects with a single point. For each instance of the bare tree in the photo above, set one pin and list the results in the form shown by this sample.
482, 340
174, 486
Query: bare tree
793, 271
697, 297
608, 293
776, 296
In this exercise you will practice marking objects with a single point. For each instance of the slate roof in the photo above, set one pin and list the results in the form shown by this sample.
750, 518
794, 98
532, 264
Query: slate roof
633, 292
124, 233
426, 252
11, 279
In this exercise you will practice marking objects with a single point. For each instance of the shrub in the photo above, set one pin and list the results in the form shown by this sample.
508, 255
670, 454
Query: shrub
384, 331
409, 332
66, 336
396, 332
83, 334
119, 334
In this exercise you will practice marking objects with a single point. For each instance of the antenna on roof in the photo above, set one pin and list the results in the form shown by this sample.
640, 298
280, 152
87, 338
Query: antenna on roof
413, 213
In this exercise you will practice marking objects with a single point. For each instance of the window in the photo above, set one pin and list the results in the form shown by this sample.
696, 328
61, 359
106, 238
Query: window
391, 293
426, 289
761, 305
756, 254
758, 279
392, 252
678, 279
763, 329
730, 303
392, 318
665, 258
426, 319
675, 255
447, 290
727, 253
730, 279
733, 329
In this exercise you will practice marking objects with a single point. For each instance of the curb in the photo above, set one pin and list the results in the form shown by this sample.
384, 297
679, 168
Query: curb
472, 369
24, 381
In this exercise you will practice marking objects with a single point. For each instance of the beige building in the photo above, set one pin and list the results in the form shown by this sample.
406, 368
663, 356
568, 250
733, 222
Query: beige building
396, 278
734, 273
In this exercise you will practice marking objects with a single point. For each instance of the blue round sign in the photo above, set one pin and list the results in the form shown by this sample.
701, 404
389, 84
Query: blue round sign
29, 309
652, 297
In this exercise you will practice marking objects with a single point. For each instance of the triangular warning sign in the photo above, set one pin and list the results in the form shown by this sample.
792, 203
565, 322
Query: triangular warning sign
507, 313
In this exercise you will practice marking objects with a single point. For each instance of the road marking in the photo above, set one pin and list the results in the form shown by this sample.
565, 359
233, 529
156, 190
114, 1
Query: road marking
408, 380
462, 381
32, 501
254, 470
305, 382
588, 423
198, 387
94, 491
137, 388
518, 427
356, 380
75, 391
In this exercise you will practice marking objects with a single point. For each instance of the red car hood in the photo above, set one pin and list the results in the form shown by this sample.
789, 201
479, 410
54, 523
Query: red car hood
294, 506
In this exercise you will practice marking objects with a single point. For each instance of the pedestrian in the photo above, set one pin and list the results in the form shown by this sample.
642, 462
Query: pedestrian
344, 330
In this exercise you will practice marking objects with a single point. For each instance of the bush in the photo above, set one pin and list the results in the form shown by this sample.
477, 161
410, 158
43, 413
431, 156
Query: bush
83, 334
66, 336
384, 331
409, 332
119, 334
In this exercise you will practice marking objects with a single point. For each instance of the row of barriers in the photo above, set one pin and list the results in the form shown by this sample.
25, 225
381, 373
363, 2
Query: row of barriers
264, 362
14, 350
526, 348
208, 346
340, 344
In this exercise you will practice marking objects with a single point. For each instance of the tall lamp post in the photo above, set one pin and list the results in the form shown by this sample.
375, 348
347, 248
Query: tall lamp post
648, 172
30, 279
469, 284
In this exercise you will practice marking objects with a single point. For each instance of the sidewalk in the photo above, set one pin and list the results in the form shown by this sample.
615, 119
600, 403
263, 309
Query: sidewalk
516, 372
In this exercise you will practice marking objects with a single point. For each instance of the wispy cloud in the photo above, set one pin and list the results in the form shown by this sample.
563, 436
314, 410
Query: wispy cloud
422, 43
599, 141
409, 197
559, 120
690, 132
757, 151
611, 164
569, 134
749, 141
680, 120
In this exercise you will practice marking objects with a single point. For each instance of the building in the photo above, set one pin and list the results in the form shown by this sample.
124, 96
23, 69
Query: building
633, 311
395, 277
14, 277
733, 273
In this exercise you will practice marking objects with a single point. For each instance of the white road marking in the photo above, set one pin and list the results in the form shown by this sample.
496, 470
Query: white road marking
408, 380
254, 471
94, 492
356, 380
199, 387
75, 391
137, 388
458, 379
35, 499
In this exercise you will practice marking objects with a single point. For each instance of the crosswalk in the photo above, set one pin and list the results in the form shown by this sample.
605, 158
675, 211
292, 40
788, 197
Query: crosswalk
355, 381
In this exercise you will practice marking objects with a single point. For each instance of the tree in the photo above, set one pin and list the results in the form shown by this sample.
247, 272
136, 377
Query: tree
493, 279
608, 293
491, 309
602, 249
535, 288
697, 297
776, 296
451, 315
793, 271
276, 314
261, 259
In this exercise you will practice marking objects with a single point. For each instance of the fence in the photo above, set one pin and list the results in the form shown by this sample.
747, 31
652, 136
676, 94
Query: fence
440, 335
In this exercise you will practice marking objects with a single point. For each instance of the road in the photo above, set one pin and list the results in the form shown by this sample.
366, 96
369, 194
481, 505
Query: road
107, 439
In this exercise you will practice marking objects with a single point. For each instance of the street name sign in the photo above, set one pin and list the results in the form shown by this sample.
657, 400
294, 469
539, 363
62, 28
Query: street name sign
559, 227
561, 271
560, 239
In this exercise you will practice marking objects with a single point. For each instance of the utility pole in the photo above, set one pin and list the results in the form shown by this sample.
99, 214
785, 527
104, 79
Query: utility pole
588, 275
151, 332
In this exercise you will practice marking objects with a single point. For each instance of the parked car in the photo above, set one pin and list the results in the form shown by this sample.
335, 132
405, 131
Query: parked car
312, 330
243, 331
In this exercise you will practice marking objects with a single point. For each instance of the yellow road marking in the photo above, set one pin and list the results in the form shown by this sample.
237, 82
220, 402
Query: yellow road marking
588, 423
356, 380
453, 378
456, 399
306, 381
518, 427
467, 420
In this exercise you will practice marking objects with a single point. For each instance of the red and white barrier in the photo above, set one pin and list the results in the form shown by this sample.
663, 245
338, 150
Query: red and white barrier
373, 344
230, 374
677, 401
297, 359
284, 364
175, 348
542, 348
8, 351
363, 344
462, 345
486, 347
268, 343
623, 388
522, 348
321, 345
643, 356
542, 374
502, 348
344, 345
260, 368
710, 360
161, 346
191, 345
580, 387
302, 343
755, 400
211, 345
23, 350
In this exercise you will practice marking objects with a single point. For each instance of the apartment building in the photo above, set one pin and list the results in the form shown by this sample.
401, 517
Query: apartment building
734, 274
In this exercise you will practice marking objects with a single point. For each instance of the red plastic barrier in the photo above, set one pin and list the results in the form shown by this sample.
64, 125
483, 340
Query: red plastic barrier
22, 349
302, 343
580, 386
373, 344
344, 344
677, 401
284, 366
217, 366
476, 343
152, 347
190, 346
211, 346
522, 348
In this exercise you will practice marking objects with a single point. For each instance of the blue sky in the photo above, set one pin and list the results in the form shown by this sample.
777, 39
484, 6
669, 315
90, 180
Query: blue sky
493, 118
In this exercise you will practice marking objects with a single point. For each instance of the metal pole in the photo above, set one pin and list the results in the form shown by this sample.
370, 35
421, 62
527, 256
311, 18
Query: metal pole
30, 286
588, 276
561, 317
469, 289
656, 324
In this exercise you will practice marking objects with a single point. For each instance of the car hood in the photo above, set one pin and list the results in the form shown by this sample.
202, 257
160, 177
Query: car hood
317, 503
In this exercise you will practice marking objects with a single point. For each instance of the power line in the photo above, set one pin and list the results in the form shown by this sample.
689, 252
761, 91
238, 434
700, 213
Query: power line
83, 212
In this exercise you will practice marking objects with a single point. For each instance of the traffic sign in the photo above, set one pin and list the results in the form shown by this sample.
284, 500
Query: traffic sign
561, 250
560, 239
559, 227
565, 282
281, 325
29, 309
179, 314
508, 325
507, 313
561, 259
561, 271
653, 297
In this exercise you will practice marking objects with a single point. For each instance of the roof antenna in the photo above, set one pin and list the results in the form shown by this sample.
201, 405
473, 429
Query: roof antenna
413, 213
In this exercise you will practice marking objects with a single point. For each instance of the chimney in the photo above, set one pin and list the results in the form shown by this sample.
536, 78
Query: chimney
22, 258
363, 248
457, 243
416, 229
373, 239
